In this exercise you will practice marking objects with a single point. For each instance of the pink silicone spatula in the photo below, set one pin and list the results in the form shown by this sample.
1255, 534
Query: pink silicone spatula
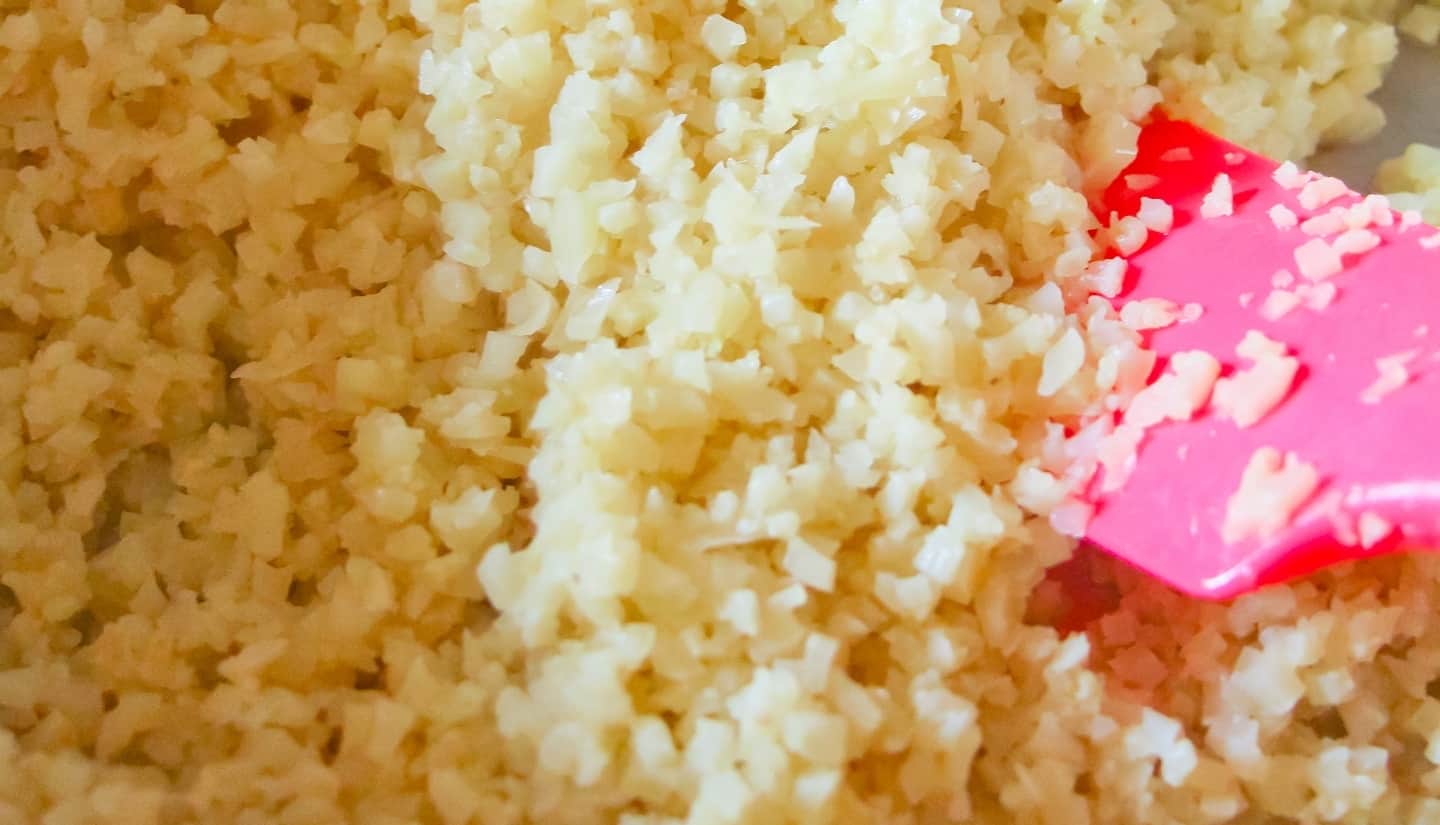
1376, 457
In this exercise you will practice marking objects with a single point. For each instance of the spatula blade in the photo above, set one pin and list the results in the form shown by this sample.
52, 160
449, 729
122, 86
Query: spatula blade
1376, 461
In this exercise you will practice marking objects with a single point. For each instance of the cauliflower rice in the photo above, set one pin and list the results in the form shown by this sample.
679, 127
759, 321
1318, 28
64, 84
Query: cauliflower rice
520, 411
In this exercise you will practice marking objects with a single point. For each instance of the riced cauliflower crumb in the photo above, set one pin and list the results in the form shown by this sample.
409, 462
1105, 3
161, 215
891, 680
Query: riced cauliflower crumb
1117, 453
1283, 217
1105, 277
1291, 176
1149, 313
1061, 363
1219, 202
1321, 191
722, 37
1071, 517
1157, 215
1281, 301
1129, 235
1356, 242
1252, 392
1411, 182
1329, 223
1278, 304
1163, 738
1394, 373
1318, 296
1372, 529
1317, 260
1272, 488
1142, 183
1178, 394
509, 411
1422, 22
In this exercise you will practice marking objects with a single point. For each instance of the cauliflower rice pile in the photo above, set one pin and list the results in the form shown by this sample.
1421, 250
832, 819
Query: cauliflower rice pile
716, 337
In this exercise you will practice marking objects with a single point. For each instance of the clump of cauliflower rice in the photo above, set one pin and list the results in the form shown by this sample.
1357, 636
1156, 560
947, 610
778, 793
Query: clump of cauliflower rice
524, 411
1413, 179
